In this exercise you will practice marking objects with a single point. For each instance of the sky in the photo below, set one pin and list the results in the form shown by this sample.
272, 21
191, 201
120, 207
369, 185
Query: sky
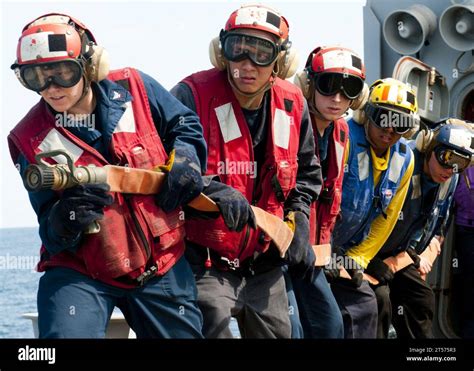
167, 40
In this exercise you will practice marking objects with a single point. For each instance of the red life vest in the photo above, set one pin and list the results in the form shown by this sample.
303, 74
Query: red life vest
135, 234
326, 209
230, 155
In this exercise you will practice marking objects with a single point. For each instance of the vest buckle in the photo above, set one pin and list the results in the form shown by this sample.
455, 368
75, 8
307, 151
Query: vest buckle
231, 264
325, 196
147, 275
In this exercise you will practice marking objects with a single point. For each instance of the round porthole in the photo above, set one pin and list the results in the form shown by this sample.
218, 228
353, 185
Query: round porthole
462, 98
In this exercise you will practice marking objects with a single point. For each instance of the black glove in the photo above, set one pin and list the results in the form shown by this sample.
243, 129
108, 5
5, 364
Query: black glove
331, 270
183, 181
233, 206
78, 207
300, 255
414, 256
332, 273
380, 271
355, 271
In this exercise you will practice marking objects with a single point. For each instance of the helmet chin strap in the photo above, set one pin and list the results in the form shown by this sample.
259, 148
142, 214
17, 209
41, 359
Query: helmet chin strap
366, 129
85, 91
312, 107
85, 88
251, 96
314, 111
86, 55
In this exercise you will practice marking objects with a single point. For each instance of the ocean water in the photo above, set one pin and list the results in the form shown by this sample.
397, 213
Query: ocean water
19, 253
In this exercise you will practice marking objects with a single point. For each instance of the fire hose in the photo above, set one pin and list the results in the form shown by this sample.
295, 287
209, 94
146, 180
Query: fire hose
45, 176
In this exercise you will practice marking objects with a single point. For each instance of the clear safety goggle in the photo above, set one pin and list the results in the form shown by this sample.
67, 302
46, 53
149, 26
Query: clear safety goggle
39, 77
385, 118
237, 47
450, 159
330, 83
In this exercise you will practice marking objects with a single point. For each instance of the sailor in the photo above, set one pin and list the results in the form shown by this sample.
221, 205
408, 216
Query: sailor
404, 298
135, 262
379, 166
464, 232
332, 81
250, 113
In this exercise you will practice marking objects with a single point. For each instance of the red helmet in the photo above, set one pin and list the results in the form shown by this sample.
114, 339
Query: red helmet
258, 17
335, 59
50, 38
58, 41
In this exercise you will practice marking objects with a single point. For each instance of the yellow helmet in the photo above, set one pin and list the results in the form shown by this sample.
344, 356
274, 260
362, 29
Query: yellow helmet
393, 103
393, 94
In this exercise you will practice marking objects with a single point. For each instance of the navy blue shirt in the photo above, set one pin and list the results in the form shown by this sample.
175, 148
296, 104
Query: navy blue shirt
176, 124
429, 186
323, 143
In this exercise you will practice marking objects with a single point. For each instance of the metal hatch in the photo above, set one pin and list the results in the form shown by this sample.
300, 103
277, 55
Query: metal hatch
429, 85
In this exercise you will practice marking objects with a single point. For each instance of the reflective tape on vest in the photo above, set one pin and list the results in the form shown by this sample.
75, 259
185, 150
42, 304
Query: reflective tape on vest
281, 125
339, 154
363, 164
444, 188
416, 186
126, 123
54, 140
228, 122
396, 165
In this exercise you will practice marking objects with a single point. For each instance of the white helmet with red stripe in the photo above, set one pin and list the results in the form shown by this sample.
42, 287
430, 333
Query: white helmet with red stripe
332, 59
262, 18
258, 17
58, 37
335, 59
